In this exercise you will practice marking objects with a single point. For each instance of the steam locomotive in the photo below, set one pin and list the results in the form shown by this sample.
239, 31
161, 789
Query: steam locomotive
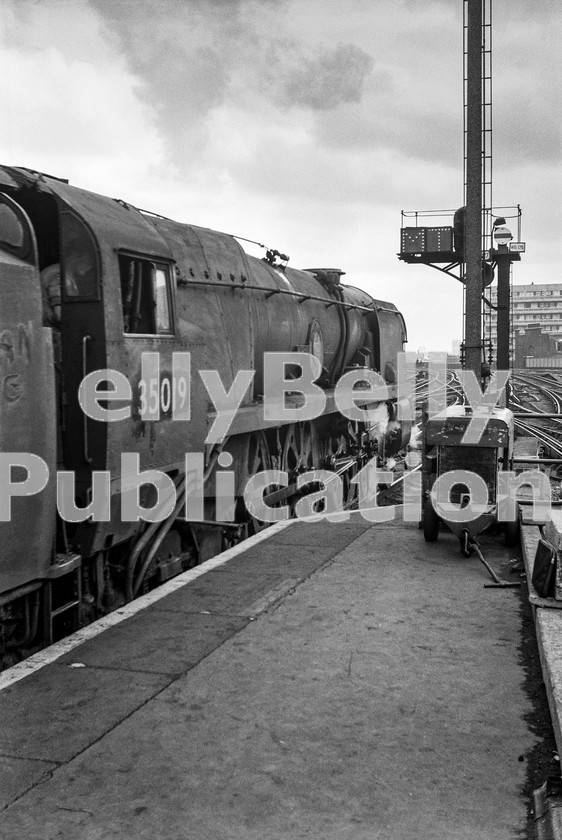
154, 303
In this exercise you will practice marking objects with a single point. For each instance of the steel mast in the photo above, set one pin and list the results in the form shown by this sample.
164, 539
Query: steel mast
473, 345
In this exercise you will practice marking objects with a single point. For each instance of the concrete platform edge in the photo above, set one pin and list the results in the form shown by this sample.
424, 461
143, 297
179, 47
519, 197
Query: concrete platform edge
548, 629
55, 651
66, 645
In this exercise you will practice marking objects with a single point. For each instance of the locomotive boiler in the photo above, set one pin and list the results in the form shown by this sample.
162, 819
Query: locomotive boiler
159, 303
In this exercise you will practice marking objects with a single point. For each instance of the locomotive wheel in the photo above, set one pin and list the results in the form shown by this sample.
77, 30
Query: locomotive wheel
430, 522
350, 491
258, 459
300, 449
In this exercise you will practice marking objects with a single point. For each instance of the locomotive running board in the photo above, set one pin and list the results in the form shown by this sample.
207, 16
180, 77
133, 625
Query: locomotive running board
250, 418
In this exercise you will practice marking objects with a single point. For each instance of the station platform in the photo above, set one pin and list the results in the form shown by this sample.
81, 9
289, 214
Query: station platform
328, 681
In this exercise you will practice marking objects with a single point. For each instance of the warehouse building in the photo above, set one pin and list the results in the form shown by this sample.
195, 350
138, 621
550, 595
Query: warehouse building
532, 305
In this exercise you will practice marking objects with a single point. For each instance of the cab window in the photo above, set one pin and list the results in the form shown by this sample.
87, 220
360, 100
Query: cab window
14, 230
80, 272
146, 296
11, 230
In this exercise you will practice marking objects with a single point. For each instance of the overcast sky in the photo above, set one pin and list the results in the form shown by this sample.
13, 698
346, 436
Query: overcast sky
307, 125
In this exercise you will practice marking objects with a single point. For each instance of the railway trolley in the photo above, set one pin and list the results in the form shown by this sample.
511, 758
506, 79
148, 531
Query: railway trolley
461, 465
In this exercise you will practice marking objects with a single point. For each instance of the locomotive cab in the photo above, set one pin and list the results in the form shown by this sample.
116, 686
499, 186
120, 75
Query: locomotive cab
26, 395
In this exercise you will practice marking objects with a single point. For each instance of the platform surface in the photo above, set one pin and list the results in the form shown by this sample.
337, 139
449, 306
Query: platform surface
334, 682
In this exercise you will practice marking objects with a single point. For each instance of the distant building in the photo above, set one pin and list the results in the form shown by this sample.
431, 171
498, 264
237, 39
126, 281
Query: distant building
453, 361
534, 343
532, 305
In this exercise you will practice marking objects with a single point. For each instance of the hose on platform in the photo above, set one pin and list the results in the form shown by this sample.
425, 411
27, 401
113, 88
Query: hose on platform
470, 544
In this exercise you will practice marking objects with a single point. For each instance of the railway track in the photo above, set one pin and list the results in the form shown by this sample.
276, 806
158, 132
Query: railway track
529, 394
538, 396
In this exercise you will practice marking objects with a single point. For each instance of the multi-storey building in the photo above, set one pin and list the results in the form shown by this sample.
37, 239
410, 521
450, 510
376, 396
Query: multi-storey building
534, 304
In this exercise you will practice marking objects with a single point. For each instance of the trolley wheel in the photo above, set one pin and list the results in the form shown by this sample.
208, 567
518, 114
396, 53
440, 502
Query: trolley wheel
511, 533
430, 522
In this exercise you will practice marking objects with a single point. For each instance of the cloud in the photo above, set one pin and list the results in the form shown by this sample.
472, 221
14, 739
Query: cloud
68, 105
527, 128
527, 81
328, 80
376, 126
193, 59
177, 59
307, 124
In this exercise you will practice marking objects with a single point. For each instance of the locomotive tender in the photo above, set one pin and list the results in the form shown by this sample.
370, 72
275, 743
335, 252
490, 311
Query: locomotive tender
134, 284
